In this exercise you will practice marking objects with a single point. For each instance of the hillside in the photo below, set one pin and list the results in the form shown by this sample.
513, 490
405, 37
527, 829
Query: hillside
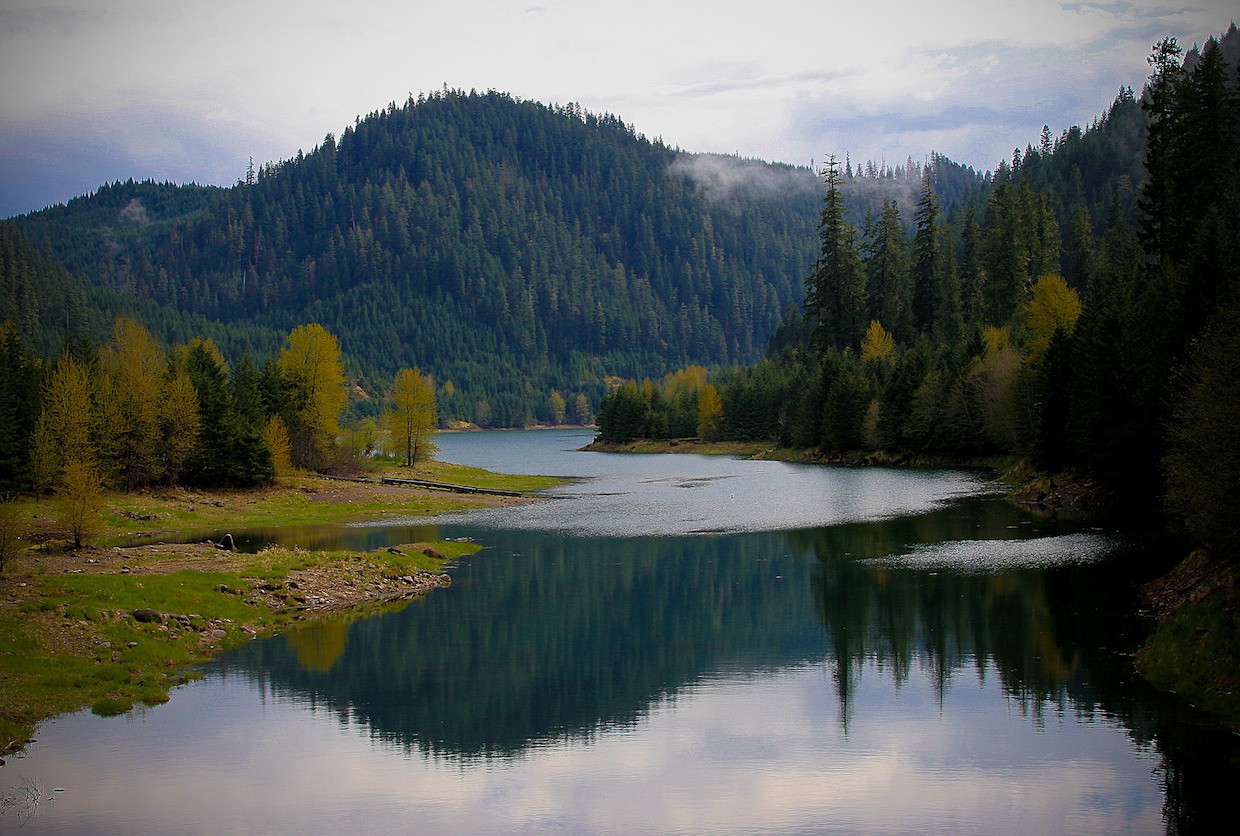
506, 246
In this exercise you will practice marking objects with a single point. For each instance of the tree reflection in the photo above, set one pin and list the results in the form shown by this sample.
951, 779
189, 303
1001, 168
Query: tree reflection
546, 637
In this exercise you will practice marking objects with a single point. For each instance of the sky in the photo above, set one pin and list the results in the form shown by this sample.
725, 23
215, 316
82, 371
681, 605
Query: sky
95, 92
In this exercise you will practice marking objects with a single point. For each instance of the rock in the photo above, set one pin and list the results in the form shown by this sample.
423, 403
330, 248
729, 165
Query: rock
148, 616
434, 554
131, 644
227, 544
395, 550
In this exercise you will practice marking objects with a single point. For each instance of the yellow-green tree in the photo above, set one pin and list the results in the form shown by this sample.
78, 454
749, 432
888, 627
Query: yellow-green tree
557, 407
135, 365
63, 431
878, 346
80, 497
180, 422
1054, 307
313, 375
275, 436
710, 413
410, 421
581, 410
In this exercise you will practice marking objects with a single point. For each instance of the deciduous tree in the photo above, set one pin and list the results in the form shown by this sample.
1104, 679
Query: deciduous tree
878, 346
1054, 307
709, 413
412, 416
135, 365
80, 499
314, 378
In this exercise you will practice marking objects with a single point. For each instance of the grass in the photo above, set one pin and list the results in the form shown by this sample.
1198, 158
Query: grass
299, 500
72, 642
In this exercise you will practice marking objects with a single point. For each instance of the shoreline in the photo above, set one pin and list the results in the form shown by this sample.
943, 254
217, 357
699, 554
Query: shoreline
107, 627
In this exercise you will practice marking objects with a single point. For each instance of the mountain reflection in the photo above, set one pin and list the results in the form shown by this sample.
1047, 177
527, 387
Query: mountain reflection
545, 636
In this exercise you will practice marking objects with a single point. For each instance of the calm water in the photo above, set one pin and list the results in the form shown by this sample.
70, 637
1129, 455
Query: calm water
679, 644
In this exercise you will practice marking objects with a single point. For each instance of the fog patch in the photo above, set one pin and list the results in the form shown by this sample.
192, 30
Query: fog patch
135, 212
724, 178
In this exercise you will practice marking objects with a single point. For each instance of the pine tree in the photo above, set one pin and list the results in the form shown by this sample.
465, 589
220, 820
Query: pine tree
925, 267
835, 288
887, 271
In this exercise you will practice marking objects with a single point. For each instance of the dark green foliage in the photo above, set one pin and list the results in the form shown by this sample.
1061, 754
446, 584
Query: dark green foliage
622, 415
230, 447
20, 377
1203, 459
926, 275
505, 246
887, 271
835, 288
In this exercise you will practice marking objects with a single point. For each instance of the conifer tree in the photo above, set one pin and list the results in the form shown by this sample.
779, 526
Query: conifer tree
887, 271
925, 267
835, 287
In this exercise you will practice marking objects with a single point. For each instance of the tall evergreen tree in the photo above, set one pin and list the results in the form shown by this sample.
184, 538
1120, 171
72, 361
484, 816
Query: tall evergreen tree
835, 287
925, 269
887, 272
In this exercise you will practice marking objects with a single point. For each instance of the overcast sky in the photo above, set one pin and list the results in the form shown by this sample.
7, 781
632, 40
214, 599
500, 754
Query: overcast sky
97, 91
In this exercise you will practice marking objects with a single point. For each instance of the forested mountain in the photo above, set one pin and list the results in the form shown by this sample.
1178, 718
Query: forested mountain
505, 246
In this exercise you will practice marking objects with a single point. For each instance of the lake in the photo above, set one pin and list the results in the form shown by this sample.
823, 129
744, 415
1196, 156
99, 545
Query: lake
680, 644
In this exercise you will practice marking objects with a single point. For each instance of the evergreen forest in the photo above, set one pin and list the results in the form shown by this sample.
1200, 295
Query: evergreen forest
1080, 313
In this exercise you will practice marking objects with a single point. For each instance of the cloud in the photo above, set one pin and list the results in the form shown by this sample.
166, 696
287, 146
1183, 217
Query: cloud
61, 158
781, 83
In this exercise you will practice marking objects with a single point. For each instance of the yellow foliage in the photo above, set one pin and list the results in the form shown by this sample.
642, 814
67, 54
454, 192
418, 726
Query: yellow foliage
181, 422
275, 436
878, 346
314, 372
80, 499
1054, 307
558, 407
996, 339
710, 413
63, 432
687, 382
179, 353
134, 365
412, 417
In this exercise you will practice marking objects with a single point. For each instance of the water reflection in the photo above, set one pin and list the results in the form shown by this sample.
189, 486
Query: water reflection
961, 668
568, 633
